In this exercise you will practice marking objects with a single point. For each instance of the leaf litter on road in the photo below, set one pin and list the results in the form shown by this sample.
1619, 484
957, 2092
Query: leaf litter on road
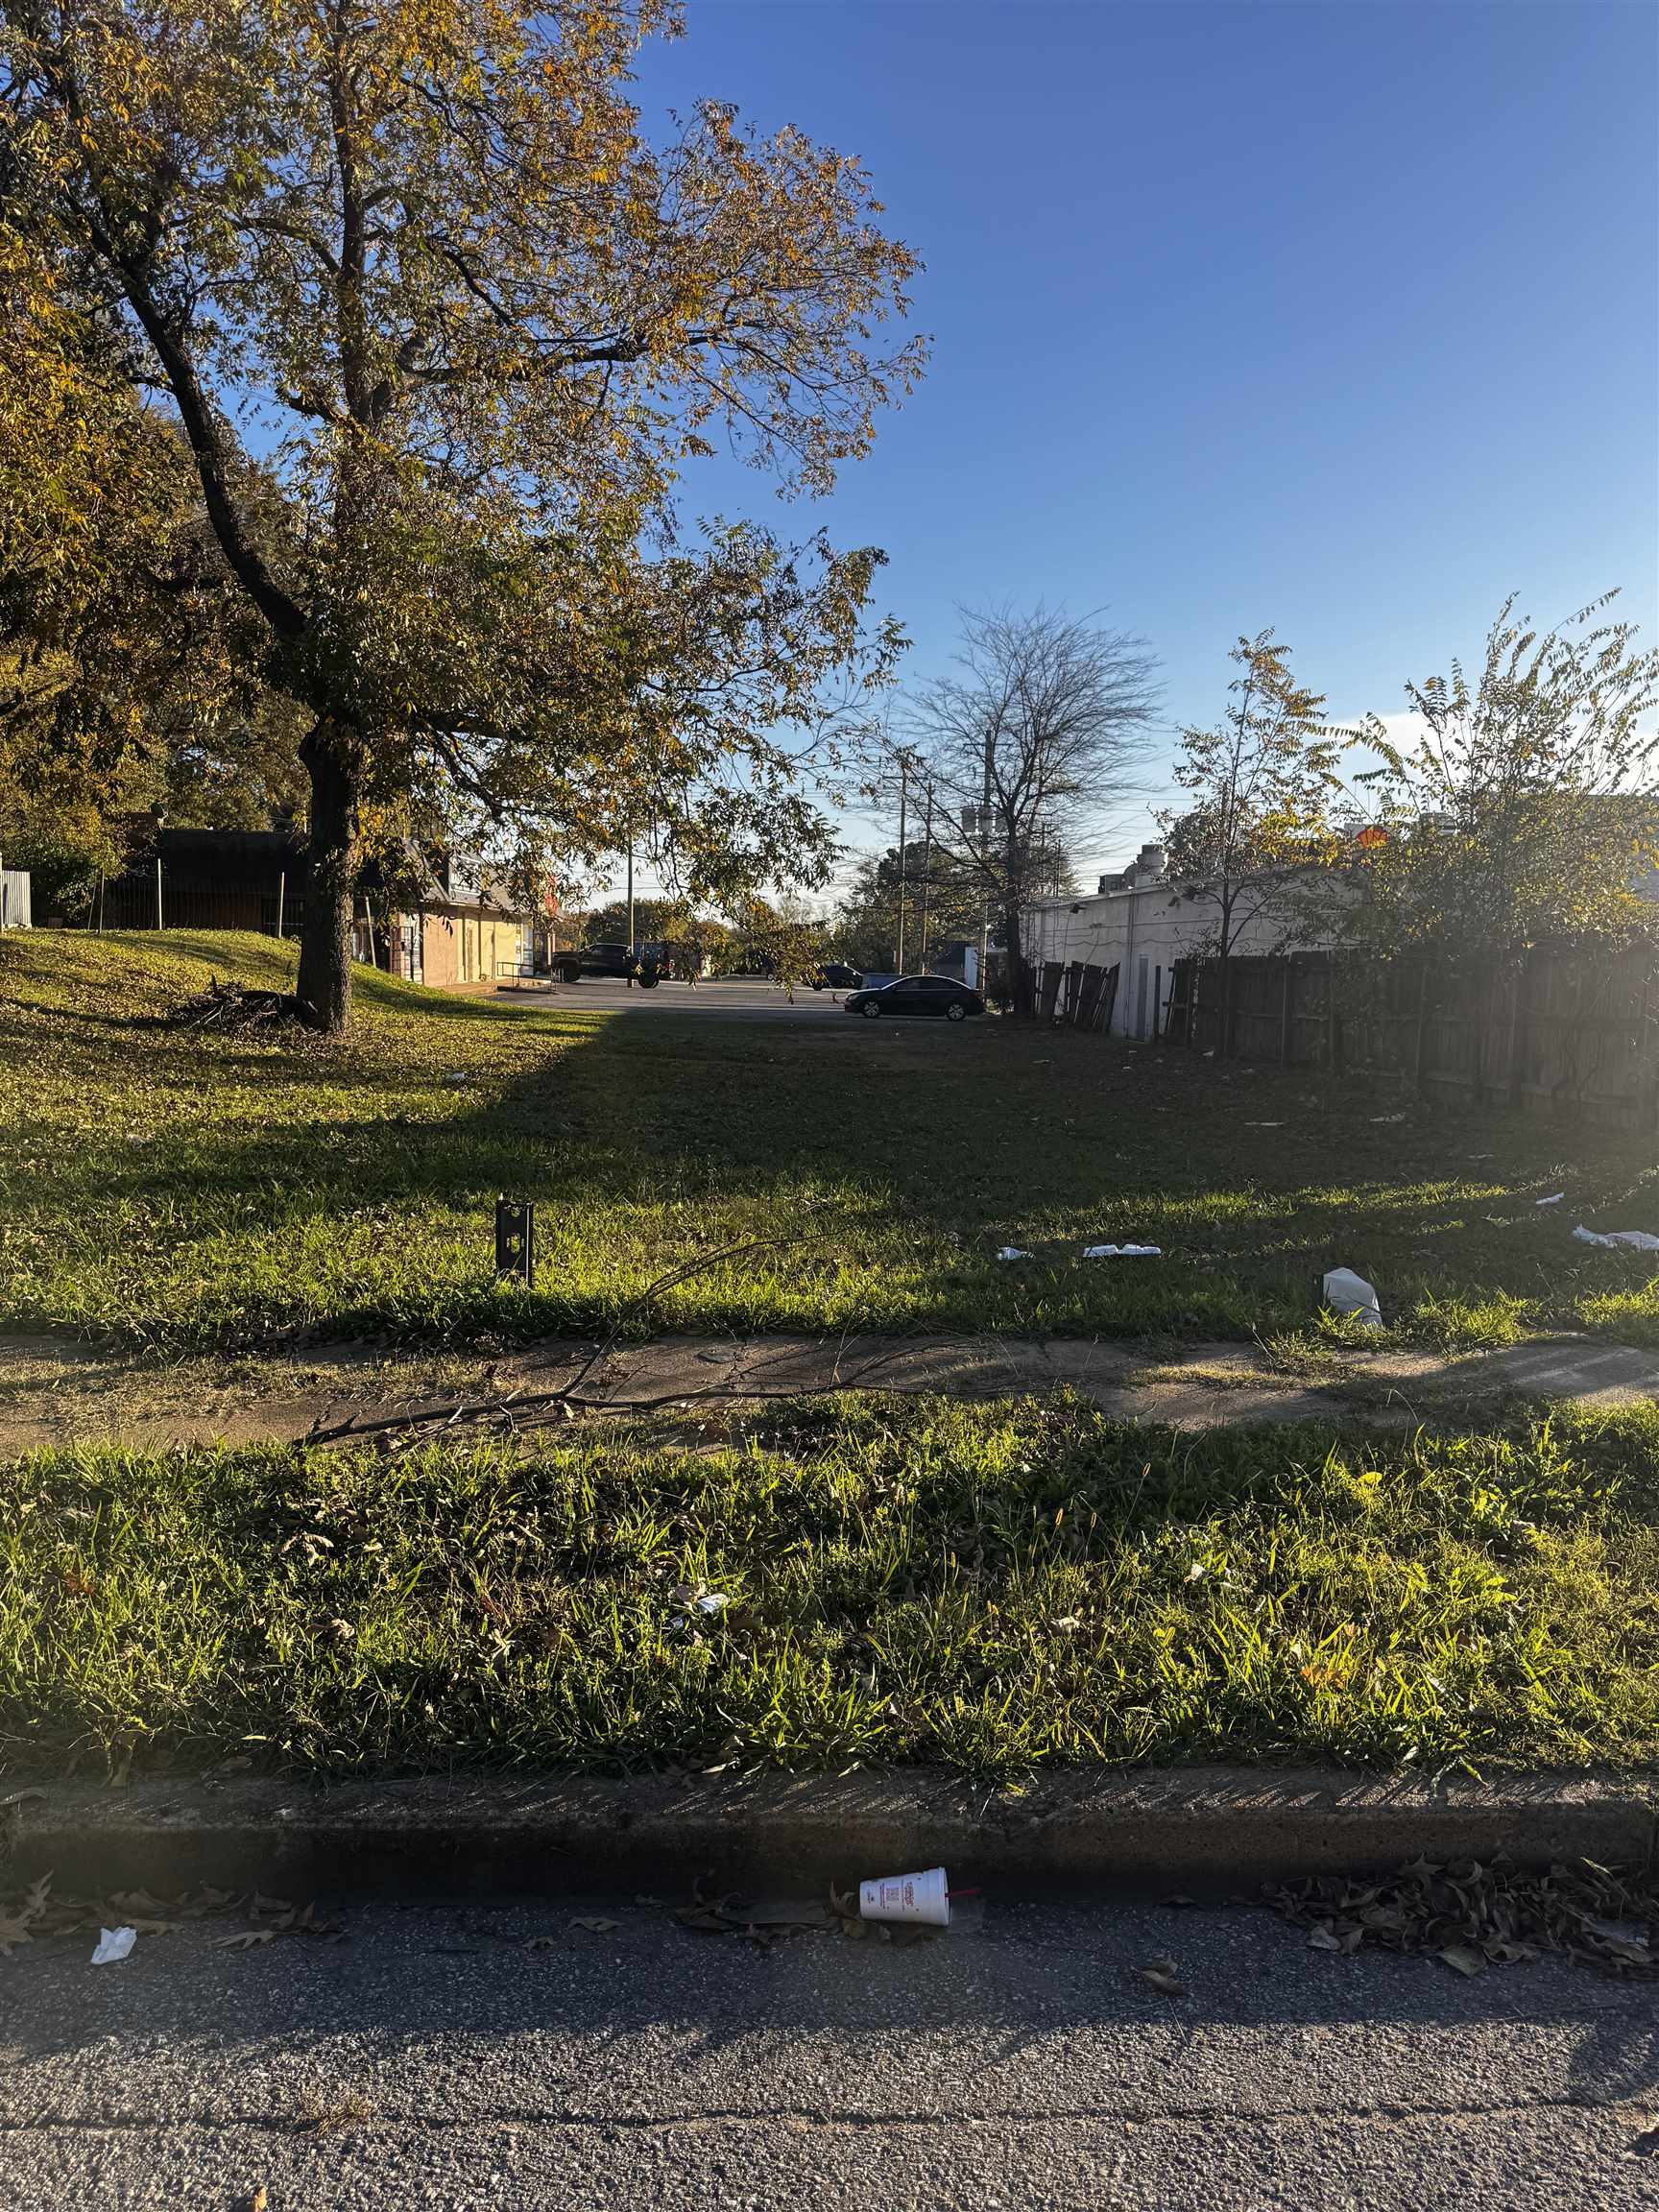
41, 1910
1472, 1913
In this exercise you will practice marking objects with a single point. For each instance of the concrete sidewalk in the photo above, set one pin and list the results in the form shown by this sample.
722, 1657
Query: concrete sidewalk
491, 2059
59, 1393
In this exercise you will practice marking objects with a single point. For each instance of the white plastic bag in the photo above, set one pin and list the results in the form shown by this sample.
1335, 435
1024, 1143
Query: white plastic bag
1638, 1238
1348, 1293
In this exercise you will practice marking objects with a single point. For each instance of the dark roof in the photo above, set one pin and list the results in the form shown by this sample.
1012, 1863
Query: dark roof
281, 848
256, 856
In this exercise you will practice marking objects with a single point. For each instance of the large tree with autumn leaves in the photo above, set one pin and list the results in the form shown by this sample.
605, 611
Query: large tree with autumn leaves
440, 325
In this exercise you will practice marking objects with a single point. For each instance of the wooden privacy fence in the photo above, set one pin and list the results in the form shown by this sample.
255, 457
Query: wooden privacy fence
129, 902
1077, 992
1574, 1032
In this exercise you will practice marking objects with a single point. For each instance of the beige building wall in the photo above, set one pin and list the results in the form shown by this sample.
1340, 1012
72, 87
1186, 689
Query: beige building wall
463, 945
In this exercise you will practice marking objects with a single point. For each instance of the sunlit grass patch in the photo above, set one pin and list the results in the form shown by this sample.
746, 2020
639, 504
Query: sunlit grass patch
992, 1587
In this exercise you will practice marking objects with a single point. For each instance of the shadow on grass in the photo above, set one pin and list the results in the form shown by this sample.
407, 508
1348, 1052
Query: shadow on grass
875, 1169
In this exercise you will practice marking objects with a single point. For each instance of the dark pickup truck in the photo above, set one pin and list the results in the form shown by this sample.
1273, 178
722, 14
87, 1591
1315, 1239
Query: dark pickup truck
617, 961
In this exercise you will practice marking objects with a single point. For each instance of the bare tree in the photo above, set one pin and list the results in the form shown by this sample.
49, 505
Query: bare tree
1035, 738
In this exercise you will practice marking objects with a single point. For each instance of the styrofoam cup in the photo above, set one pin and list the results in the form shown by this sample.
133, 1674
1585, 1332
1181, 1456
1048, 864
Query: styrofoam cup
923, 1897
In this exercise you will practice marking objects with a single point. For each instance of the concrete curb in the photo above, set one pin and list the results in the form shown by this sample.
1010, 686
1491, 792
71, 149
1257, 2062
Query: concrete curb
1199, 1828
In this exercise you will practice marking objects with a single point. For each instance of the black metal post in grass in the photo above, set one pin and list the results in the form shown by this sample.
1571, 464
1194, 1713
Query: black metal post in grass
515, 1239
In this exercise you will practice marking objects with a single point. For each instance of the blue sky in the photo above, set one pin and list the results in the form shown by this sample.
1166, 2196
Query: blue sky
1342, 318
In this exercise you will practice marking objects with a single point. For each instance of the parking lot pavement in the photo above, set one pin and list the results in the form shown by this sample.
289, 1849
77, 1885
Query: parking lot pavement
737, 999
596, 2054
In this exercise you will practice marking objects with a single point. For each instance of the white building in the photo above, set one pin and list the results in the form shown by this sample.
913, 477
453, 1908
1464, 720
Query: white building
1142, 920
14, 909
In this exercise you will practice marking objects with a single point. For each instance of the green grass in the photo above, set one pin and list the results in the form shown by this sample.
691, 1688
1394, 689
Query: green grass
992, 1587
183, 1191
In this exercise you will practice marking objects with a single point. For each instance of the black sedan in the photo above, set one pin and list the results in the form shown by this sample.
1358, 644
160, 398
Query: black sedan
917, 994
836, 975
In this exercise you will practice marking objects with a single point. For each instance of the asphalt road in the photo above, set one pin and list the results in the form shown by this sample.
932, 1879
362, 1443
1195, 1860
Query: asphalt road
432, 2058
740, 999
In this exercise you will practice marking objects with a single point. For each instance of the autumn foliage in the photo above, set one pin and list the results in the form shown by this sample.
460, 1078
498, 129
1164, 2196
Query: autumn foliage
439, 326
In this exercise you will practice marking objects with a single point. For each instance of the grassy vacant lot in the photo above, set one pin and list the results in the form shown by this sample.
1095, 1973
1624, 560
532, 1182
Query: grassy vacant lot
987, 1586
180, 1190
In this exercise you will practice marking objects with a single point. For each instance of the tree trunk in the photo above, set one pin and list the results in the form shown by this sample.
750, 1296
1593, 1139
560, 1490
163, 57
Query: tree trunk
1021, 998
324, 986
1224, 1040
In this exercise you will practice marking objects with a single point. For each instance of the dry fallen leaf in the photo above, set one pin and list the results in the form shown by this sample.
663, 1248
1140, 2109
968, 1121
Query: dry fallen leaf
134, 1904
1163, 1976
1324, 1938
12, 1933
596, 1926
257, 2201
1463, 1958
246, 1939
210, 1900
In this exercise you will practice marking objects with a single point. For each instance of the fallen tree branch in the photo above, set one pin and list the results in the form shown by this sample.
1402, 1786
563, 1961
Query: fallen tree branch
513, 1402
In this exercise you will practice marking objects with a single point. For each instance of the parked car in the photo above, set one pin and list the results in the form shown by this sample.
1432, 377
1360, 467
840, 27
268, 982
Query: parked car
836, 975
617, 961
917, 994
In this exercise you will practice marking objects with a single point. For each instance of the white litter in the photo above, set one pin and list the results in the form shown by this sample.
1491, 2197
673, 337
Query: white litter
713, 1603
1638, 1238
114, 1945
1387, 1117
1013, 1252
1555, 1201
1346, 1292
1263, 1124
1121, 1252
924, 1897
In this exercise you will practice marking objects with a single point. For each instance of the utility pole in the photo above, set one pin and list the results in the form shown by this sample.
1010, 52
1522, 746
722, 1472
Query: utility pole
926, 870
985, 853
158, 890
629, 906
904, 793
